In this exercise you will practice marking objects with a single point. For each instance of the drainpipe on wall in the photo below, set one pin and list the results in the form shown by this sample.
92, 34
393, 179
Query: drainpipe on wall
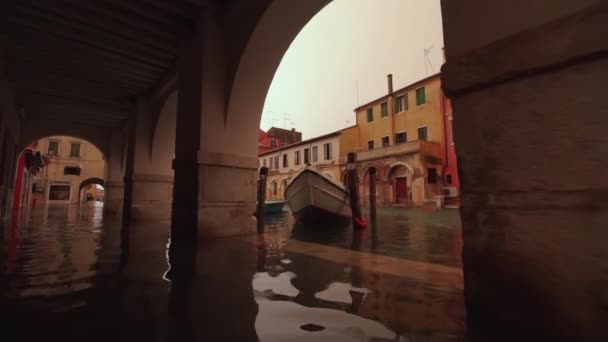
445, 137
445, 130
391, 106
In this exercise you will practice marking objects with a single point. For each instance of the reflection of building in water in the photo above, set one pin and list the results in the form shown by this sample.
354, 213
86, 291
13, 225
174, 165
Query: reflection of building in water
73, 165
73, 245
413, 308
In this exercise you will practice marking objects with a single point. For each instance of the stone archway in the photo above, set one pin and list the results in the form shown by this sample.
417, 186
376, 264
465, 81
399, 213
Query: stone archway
88, 182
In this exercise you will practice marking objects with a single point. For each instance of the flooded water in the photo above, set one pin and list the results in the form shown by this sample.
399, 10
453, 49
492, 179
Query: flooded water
68, 273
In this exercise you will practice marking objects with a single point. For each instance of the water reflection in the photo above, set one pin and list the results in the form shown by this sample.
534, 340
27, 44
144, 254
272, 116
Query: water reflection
68, 273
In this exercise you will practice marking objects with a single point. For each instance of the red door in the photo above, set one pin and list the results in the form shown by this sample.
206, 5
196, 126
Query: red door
401, 190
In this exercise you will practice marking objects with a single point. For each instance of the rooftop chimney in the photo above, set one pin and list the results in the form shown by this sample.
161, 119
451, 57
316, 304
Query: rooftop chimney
390, 83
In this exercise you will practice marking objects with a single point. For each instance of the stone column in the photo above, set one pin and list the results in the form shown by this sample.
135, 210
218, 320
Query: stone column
114, 180
148, 185
214, 193
530, 126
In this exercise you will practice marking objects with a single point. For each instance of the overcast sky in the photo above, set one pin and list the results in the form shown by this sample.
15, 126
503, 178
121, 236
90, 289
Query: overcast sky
349, 43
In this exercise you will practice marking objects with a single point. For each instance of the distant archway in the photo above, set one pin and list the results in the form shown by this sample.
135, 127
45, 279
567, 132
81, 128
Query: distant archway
91, 181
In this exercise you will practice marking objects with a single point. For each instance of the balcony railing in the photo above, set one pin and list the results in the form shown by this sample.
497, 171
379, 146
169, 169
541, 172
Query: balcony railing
424, 147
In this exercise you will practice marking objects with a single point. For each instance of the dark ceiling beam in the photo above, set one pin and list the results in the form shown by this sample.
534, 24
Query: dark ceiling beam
26, 43
92, 69
71, 78
75, 15
122, 22
68, 110
174, 8
119, 47
112, 110
67, 25
74, 95
136, 9
67, 83
39, 110
59, 117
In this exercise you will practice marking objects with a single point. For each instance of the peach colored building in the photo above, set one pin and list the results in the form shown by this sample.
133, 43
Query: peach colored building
74, 168
402, 135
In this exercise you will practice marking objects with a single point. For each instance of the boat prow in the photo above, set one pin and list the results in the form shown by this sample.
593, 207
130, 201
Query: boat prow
312, 197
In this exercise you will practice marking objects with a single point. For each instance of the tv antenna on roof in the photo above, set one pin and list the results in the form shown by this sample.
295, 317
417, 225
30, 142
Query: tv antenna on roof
427, 60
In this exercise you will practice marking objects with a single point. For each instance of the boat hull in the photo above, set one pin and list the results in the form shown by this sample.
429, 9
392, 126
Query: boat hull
314, 198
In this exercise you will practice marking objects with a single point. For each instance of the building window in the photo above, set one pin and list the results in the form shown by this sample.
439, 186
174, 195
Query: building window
306, 156
53, 149
420, 96
432, 176
296, 157
315, 154
327, 151
274, 188
273, 143
400, 137
385, 141
264, 162
71, 170
370, 114
448, 179
285, 164
59, 193
276, 162
370, 145
423, 134
75, 150
384, 109
401, 103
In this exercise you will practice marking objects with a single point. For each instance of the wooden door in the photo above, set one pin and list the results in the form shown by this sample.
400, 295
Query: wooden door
401, 190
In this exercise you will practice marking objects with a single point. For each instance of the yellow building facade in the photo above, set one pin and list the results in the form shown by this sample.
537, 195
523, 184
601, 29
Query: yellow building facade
74, 168
401, 135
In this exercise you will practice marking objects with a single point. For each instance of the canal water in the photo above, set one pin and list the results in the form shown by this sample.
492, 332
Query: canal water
70, 274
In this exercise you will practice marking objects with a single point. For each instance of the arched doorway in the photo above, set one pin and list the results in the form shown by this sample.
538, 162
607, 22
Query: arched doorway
399, 183
92, 190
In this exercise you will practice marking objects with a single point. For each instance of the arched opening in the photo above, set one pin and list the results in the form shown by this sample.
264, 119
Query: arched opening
57, 170
399, 186
92, 190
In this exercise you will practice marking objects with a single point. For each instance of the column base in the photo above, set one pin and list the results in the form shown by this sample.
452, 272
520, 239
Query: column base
151, 198
113, 198
226, 219
227, 188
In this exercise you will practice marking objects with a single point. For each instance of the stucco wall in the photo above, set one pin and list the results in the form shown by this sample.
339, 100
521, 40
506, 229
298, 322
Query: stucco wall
91, 163
415, 116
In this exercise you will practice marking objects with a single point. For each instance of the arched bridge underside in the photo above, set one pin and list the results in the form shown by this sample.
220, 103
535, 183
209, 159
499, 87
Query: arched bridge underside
525, 78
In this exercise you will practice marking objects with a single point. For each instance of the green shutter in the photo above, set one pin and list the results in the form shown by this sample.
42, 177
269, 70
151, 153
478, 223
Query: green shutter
384, 109
420, 96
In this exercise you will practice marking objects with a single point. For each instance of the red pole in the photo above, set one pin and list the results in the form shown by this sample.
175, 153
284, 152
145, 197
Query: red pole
18, 185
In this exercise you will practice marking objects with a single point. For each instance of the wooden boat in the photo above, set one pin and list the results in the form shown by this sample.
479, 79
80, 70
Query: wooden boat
313, 198
273, 207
